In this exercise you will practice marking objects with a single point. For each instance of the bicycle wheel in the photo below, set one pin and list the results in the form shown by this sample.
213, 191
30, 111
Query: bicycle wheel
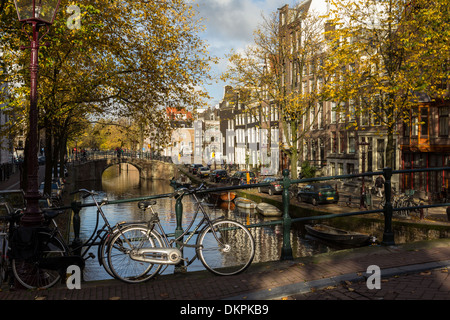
30, 274
124, 242
226, 247
104, 247
3, 257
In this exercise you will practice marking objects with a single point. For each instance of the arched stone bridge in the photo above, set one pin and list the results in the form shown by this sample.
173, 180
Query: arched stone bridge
148, 169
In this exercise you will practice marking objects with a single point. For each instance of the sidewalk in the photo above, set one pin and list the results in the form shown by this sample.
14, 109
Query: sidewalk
413, 271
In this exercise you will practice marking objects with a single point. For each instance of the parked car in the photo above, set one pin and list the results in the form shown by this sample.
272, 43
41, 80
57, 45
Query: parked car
56, 192
194, 168
240, 177
203, 172
275, 186
16, 198
316, 193
218, 175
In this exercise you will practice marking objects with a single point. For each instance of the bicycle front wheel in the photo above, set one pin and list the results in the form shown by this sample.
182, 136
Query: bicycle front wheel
226, 247
122, 249
30, 274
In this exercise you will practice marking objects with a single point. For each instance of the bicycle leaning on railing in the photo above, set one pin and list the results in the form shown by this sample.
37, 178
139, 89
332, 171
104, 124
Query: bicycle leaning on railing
138, 253
405, 202
47, 263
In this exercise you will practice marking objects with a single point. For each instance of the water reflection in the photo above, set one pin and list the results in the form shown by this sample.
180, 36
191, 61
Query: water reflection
123, 182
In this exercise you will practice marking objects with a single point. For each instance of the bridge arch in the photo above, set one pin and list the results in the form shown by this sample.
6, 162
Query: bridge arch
148, 169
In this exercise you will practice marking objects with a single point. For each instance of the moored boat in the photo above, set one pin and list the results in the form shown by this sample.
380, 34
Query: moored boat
225, 196
268, 210
245, 203
338, 236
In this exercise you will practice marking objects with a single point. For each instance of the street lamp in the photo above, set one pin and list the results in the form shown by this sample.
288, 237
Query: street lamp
37, 13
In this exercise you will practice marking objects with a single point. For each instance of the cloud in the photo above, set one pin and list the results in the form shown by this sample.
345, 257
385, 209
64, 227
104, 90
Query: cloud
230, 25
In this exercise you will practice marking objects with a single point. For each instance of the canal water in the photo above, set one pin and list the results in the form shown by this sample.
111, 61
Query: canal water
124, 183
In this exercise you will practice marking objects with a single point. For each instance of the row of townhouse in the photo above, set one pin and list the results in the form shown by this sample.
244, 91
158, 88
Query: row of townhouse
339, 149
248, 135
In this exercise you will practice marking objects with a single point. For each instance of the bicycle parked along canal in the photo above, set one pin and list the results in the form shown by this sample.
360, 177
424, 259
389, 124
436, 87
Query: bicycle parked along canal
138, 253
52, 255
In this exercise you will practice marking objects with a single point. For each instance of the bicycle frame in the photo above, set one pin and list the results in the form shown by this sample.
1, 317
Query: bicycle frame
170, 255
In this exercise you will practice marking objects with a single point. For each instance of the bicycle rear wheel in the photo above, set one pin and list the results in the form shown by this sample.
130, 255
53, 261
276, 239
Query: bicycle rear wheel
124, 242
30, 274
226, 247
3, 257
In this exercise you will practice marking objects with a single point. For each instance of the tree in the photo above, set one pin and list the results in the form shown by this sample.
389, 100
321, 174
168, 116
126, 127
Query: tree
126, 59
382, 55
272, 71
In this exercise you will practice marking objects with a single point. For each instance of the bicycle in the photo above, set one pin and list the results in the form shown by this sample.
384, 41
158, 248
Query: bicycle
53, 255
408, 202
6, 225
138, 253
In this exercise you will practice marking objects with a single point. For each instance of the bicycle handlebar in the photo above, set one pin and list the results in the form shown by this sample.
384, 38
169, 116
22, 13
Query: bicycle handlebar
184, 190
88, 193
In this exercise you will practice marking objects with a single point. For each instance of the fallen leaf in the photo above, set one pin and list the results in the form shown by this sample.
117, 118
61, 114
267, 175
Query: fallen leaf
284, 298
330, 288
351, 289
114, 298
40, 298
425, 273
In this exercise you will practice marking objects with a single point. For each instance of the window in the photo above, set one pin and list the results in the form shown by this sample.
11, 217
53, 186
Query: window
333, 112
380, 153
351, 143
443, 121
414, 124
424, 121
333, 142
341, 142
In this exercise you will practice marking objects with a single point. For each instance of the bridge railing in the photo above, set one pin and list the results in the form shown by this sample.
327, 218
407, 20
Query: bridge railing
286, 220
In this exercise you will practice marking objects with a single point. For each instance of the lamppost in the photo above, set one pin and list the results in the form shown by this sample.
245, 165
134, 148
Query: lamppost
37, 13
363, 143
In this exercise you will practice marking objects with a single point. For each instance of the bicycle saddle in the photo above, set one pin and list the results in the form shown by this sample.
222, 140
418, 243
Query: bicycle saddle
146, 204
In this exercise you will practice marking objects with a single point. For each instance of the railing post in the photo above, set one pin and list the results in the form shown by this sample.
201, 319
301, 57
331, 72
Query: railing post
76, 221
179, 231
286, 251
388, 235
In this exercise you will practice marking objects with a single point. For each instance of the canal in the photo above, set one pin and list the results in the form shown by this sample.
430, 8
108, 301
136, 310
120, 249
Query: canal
124, 183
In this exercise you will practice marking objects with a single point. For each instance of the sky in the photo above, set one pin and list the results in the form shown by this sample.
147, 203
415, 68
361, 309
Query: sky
230, 25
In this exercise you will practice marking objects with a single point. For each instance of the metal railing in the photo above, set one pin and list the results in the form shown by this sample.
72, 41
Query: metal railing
286, 220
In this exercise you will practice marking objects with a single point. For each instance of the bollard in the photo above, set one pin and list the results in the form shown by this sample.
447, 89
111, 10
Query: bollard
388, 235
76, 220
179, 231
286, 250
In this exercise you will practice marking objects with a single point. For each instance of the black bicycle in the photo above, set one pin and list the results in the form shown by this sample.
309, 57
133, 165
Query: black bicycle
49, 261
137, 253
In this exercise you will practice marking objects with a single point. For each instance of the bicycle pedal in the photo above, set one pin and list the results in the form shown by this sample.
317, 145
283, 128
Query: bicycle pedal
91, 255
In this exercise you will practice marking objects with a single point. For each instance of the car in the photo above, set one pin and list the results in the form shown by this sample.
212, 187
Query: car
316, 193
241, 177
275, 186
16, 198
218, 175
194, 168
56, 192
203, 172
